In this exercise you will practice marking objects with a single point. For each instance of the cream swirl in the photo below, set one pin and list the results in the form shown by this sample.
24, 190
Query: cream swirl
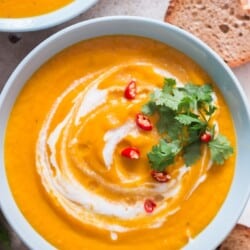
90, 194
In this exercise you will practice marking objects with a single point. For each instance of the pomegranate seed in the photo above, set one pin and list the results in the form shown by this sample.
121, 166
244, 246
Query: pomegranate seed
206, 137
131, 153
149, 205
161, 176
143, 122
130, 91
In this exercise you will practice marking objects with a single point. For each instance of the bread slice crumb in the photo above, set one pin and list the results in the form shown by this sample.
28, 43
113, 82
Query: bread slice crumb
223, 24
245, 4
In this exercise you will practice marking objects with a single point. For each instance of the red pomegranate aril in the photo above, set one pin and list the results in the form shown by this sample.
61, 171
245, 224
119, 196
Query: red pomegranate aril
206, 137
130, 90
149, 205
131, 153
161, 176
143, 122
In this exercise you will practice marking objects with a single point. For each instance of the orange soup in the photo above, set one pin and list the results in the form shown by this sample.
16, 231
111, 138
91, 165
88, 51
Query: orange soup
29, 8
77, 154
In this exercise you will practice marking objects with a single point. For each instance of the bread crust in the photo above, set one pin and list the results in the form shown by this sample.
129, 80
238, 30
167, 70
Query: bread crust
235, 48
170, 10
238, 239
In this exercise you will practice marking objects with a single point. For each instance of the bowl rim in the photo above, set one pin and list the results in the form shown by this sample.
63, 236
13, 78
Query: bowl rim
217, 226
47, 20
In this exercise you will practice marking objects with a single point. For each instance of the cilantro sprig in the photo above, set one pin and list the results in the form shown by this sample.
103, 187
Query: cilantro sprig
4, 238
184, 114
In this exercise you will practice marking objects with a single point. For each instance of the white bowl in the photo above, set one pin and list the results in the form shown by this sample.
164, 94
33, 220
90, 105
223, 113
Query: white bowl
47, 20
229, 213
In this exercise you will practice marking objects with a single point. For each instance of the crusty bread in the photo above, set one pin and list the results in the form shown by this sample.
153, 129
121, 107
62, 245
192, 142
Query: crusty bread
245, 4
238, 239
223, 24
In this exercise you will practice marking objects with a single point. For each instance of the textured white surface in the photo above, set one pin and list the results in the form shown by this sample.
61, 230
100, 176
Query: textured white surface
12, 53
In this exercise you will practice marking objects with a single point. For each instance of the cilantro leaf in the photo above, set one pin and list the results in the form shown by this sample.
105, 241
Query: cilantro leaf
167, 124
200, 98
187, 119
220, 149
163, 154
171, 101
211, 110
167, 100
187, 104
149, 108
203, 93
155, 95
4, 238
194, 132
169, 85
184, 115
192, 153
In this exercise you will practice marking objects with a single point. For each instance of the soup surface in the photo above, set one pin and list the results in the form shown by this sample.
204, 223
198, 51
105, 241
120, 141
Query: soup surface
29, 8
63, 151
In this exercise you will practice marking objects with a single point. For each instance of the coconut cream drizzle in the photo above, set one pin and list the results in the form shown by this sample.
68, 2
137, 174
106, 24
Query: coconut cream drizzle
113, 137
54, 163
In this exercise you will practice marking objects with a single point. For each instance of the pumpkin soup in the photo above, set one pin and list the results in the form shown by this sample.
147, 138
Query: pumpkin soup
29, 8
120, 142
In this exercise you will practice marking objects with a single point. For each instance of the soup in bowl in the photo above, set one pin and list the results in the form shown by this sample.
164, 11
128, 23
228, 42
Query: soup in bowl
123, 133
22, 16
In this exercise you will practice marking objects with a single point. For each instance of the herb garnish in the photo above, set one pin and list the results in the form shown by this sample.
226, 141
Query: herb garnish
184, 116
4, 238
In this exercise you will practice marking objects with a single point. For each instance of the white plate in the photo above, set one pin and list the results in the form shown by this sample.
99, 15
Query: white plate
47, 20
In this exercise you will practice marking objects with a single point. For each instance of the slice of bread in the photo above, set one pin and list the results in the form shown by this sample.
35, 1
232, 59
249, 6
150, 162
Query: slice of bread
223, 24
245, 4
238, 239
